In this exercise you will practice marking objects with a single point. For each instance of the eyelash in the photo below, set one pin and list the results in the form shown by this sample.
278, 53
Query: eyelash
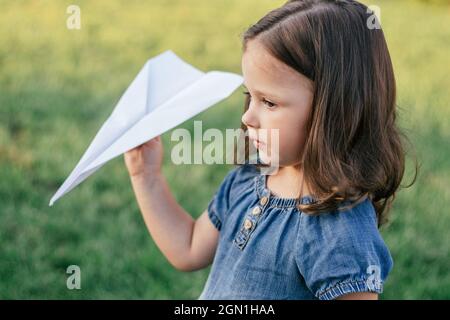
269, 104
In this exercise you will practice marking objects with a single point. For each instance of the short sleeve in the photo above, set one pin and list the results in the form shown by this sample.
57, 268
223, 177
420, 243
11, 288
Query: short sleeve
342, 252
219, 204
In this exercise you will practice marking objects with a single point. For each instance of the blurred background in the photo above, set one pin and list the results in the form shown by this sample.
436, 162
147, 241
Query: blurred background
58, 86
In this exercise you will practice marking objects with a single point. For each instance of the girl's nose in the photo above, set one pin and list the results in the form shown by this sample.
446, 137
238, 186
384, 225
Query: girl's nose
249, 118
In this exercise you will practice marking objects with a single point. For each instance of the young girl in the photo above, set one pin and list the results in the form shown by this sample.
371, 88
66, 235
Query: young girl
316, 71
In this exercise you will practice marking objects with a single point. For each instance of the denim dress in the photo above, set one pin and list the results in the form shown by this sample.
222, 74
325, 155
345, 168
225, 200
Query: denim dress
269, 249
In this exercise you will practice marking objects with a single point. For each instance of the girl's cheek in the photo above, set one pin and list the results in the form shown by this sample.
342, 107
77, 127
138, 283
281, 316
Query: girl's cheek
276, 145
290, 147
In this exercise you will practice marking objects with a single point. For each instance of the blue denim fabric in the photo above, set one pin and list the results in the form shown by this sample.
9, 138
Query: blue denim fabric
286, 254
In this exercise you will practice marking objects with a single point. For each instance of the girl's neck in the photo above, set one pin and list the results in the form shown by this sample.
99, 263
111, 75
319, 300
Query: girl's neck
287, 183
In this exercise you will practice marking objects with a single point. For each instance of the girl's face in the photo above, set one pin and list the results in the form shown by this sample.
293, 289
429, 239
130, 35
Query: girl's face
281, 98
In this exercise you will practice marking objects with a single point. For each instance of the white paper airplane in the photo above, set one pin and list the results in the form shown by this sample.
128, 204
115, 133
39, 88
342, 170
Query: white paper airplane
166, 92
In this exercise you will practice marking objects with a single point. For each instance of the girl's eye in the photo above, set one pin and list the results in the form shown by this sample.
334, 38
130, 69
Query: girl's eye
269, 104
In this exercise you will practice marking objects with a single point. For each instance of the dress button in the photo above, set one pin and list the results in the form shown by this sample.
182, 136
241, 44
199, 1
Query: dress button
248, 224
263, 200
256, 211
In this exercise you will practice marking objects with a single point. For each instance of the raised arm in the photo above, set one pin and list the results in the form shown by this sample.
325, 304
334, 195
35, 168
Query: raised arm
187, 244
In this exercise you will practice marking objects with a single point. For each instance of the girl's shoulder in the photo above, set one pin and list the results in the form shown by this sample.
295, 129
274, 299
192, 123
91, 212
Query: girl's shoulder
359, 216
342, 251
354, 227
237, 183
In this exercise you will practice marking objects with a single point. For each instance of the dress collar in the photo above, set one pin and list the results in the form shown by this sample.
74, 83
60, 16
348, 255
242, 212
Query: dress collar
274, 201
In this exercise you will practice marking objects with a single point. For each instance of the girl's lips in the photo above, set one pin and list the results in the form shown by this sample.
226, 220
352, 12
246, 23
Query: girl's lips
258, 144
256, 139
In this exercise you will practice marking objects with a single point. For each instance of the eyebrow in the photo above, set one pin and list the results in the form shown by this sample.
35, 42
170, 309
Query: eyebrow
263, 94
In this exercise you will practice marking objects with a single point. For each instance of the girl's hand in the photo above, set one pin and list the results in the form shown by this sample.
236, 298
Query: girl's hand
145, 159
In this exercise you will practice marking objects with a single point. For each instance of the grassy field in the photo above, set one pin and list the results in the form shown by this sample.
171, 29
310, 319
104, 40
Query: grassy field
57, 86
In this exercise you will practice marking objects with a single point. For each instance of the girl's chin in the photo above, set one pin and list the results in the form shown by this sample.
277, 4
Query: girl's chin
264, 158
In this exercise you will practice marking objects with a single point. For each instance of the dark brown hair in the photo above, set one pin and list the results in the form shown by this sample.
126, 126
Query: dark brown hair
353, 148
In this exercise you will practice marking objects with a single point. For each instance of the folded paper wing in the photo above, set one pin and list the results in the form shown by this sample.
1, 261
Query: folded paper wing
166, 92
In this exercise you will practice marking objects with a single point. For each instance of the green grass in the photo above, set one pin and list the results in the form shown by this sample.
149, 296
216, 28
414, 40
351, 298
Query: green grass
58, 86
